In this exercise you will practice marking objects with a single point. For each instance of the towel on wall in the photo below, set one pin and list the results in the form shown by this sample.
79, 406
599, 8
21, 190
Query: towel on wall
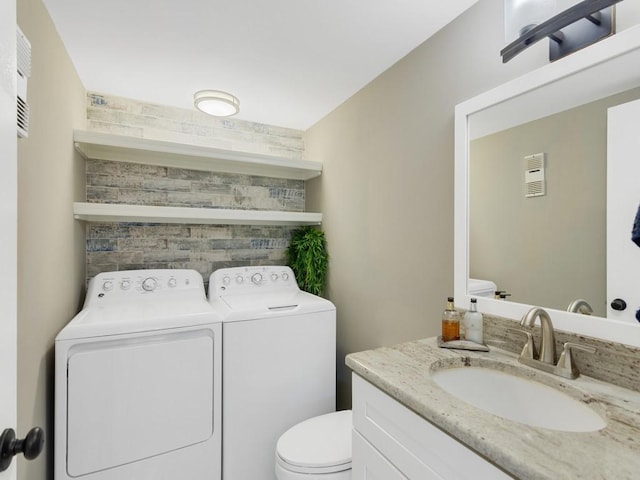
635, 234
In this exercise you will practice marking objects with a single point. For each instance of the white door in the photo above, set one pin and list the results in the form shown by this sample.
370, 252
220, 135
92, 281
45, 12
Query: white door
8, 221
623, 199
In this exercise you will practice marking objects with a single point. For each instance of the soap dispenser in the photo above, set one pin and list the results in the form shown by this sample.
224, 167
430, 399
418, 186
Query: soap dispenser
473, 324
450, 322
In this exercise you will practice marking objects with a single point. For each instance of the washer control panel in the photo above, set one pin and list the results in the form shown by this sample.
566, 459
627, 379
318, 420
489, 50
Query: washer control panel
131, 283
241, 280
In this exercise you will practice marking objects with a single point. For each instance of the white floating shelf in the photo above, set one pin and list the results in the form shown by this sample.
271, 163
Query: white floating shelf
109, 212
120, 148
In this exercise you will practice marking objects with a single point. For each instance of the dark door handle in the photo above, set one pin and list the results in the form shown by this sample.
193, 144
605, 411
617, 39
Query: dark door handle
30, 446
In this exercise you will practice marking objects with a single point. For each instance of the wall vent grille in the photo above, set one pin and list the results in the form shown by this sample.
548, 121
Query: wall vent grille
23, 118
23, 53
534, 178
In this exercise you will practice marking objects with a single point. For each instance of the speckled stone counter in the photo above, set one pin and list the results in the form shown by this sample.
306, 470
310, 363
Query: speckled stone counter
404, 372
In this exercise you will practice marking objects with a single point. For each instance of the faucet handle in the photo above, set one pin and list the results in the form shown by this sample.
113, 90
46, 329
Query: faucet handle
529, 349
566, 367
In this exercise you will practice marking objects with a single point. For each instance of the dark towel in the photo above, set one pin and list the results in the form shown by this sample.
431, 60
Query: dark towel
635, 234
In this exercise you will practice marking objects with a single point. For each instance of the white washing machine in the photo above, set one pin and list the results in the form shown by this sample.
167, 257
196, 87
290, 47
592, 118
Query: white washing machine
279, 363
138, 381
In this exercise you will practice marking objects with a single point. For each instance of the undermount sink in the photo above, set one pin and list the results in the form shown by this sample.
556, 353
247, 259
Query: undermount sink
518, 399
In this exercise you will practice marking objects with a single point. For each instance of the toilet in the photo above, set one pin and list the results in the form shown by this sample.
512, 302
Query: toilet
316, 449
481, 288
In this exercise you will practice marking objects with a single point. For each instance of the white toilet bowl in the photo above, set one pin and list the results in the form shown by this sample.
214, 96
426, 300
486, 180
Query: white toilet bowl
318, 448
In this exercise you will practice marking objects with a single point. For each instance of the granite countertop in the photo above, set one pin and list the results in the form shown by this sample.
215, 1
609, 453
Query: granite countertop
404, 372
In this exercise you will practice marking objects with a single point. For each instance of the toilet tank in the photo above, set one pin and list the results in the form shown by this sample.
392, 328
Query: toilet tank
481, 288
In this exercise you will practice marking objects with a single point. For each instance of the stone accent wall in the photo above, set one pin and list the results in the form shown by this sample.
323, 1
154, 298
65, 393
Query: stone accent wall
612, 362
205, 248
121, 116
130, 183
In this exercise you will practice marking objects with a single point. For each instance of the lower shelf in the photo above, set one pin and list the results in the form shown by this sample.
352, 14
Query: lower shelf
109, 212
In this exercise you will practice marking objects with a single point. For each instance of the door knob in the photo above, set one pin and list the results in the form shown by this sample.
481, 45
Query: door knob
30, 446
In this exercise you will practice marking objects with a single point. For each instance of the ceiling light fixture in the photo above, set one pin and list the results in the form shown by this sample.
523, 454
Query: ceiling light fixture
216, 103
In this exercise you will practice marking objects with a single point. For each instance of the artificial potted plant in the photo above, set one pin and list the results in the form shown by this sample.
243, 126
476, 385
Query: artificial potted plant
308, 258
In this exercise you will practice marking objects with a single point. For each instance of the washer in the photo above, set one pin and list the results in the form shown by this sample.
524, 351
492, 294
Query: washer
279, 363
138, 381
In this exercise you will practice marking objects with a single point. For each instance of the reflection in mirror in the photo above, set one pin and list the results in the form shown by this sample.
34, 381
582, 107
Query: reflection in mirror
543, 249
561, 234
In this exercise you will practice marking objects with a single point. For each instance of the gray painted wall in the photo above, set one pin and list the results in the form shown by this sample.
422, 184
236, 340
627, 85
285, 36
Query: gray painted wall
50, 242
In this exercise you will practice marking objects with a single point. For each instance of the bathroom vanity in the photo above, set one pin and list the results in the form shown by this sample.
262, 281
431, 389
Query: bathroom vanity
392, 442
407, 426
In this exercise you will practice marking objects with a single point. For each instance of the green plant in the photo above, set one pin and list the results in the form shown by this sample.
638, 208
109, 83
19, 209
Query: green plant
308, 258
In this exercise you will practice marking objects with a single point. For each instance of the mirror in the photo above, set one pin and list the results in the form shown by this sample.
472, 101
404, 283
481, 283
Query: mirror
551, 255
552, 227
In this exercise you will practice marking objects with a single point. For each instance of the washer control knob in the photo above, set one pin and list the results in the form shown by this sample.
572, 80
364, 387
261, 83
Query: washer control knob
149, 284
108, 285
172, 282
285, 276
256, 278
274, 277
125, 284
239, 279
226, 280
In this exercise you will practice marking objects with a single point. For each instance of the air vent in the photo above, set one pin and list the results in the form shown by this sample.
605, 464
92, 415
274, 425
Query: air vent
23, 51
23, 118
534, 179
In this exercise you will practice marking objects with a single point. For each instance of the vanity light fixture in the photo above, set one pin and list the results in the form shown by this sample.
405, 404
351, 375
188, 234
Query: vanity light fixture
521, 16
216, 103
586, 22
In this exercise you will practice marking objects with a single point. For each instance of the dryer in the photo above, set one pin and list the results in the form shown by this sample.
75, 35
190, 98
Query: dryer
138, 381
279, 363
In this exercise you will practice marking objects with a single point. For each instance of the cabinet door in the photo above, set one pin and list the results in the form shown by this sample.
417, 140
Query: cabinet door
369, 464
417, 448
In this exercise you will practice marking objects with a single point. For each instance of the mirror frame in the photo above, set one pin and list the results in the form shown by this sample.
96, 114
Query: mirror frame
608, 67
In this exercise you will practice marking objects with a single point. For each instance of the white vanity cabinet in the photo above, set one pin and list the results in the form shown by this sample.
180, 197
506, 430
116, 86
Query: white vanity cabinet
392, 442
369, 463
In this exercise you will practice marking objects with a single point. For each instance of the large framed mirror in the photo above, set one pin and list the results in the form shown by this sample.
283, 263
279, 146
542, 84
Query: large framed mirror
541, 236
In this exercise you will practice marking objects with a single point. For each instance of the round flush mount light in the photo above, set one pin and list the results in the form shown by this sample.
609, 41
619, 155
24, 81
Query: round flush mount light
216, 103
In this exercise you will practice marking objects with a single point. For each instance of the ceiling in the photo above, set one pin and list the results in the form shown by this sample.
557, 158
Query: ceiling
290, 62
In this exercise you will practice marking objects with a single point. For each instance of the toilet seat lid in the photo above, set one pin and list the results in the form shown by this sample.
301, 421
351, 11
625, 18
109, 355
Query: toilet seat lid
318, 442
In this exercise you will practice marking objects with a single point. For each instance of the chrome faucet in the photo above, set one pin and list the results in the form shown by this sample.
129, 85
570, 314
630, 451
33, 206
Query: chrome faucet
580, 306
548, 344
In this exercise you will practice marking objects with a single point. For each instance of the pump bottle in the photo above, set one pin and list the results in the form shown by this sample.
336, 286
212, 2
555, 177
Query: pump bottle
450, 322
473, 324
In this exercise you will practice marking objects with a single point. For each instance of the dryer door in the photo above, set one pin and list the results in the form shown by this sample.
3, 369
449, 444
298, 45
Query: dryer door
134, 396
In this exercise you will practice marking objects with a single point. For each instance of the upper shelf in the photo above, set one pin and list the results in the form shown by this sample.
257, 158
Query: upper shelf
110, 212
120, 148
